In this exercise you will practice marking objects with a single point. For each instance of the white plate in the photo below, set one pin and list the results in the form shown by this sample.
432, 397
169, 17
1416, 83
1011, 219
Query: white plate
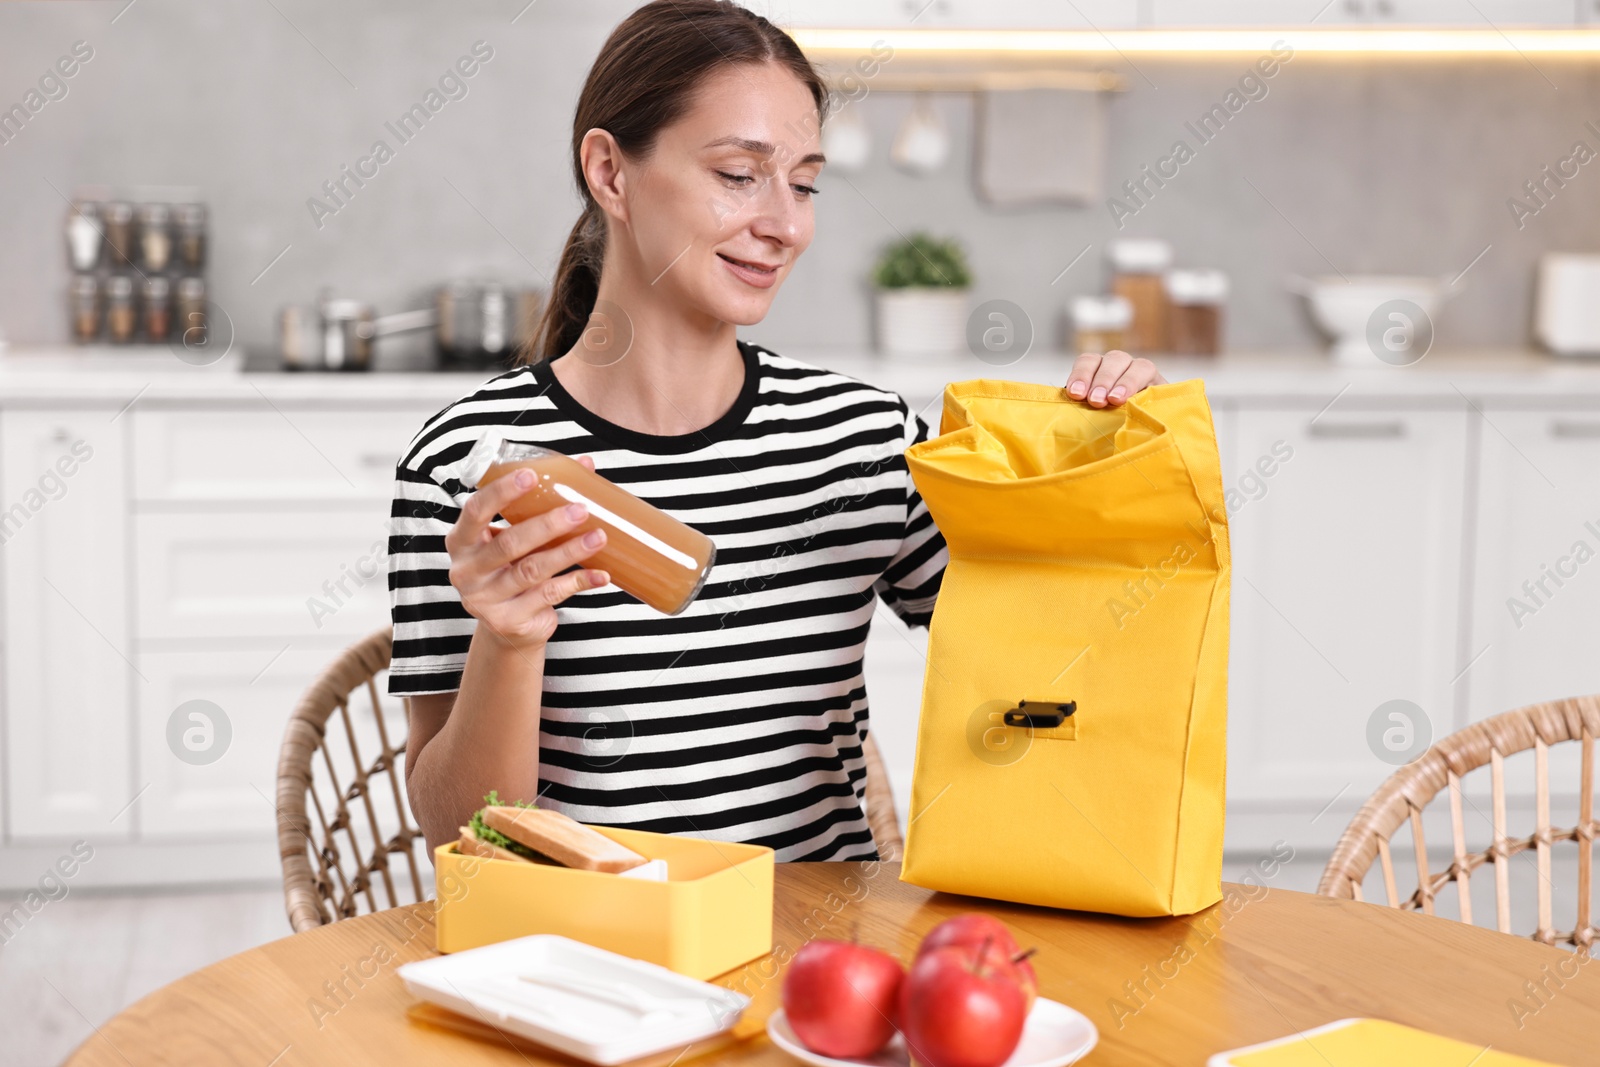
1053, 1036
596, 1005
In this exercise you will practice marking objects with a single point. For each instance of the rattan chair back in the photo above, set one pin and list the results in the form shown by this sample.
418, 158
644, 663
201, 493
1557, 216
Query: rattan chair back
345, 832
1401, 800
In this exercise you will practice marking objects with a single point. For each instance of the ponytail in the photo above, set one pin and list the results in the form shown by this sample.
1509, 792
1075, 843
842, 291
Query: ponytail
577, 284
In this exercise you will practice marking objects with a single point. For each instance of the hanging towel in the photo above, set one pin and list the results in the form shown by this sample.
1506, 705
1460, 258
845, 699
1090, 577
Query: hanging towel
1040, 146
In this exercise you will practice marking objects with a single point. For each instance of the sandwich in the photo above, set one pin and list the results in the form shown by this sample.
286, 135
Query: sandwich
524, 833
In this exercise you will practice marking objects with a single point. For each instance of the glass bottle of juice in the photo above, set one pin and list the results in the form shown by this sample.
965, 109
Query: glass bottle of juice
648, 553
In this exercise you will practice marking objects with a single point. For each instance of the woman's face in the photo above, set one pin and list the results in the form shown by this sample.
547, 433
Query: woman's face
729, 181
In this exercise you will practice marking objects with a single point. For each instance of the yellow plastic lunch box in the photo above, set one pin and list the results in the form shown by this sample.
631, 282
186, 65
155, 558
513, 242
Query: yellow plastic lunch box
712, 914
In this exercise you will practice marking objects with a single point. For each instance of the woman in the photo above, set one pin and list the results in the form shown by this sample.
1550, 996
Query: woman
696, 148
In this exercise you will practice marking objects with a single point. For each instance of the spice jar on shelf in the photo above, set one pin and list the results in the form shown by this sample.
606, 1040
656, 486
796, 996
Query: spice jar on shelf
155, 236
1196, 299
117, 218
122, 315
85, 308
190, 312
1138, 266
157, 308
1100, 323
83, 235
191, 236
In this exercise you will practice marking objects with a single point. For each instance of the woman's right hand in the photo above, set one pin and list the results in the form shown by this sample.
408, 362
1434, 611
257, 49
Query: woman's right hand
508, 577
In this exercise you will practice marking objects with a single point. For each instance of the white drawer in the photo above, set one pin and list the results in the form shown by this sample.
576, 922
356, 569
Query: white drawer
282, 575
254, 455
222, 779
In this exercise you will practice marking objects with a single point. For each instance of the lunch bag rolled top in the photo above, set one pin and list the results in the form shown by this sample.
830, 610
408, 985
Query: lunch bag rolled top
1072, 742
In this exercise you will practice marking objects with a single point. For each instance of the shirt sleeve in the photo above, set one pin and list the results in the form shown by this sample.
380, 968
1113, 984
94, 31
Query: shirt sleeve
910, 584
432, 631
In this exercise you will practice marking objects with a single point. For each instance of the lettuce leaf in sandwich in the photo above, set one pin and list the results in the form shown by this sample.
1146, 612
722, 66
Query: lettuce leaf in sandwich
494, 837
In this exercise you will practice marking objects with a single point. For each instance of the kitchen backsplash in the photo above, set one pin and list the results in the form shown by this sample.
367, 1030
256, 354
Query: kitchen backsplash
1430, 165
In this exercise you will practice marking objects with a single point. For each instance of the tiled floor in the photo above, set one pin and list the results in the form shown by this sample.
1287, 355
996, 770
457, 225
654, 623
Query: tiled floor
85, 957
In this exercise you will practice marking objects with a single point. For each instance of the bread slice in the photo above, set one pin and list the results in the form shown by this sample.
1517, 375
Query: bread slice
562, 838
471, 845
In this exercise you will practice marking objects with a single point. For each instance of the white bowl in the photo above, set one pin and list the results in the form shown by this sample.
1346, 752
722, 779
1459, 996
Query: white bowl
1345, 307
1054, 1035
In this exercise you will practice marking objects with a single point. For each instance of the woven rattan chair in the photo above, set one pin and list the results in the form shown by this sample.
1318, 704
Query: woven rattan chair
880, 805
1401, 799
357, 831
349, 768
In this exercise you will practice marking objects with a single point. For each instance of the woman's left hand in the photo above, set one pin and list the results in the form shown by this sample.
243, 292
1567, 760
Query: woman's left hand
1108, 380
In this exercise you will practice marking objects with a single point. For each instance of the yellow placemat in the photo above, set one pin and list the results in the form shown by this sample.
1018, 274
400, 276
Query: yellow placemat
1368, 1043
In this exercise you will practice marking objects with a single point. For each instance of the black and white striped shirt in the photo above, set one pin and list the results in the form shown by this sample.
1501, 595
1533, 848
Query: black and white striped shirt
741, 719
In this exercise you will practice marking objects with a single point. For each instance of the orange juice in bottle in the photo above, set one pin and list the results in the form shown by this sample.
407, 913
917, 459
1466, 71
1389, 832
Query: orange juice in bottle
648, 553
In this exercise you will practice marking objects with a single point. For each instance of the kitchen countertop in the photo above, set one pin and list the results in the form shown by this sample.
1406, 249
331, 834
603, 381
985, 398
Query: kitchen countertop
30, 376
1489, 376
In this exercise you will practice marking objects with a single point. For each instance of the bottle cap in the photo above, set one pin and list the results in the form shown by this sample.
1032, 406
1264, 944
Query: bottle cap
1140, 255
472, 466
1102, 312
1197, 286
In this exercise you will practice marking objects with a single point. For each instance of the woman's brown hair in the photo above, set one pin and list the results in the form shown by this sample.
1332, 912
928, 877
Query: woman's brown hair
643, 81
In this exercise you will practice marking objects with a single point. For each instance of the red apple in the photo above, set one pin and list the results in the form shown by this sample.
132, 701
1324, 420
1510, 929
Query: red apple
840, 997
1026, 976
970, 928
962, 1006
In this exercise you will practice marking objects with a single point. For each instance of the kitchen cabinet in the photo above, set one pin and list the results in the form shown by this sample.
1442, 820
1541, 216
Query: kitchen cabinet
184, 548
312, 577
226, 456
1175, 14
1345, 593
233, 794
1470, 14
950, 14
260, 538
1327, 14
68, 658
896, 660
1536, 582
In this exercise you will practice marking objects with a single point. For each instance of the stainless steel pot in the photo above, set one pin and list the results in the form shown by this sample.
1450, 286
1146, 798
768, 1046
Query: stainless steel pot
479, 324
347, 331
482, 323
338, 333
300, 338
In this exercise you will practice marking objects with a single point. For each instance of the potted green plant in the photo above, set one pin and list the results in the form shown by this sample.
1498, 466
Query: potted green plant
922, 286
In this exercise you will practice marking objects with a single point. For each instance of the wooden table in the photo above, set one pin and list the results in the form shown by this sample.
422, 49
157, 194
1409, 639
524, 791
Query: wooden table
1264, 963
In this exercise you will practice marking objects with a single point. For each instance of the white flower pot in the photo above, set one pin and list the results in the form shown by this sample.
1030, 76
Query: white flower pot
922, 320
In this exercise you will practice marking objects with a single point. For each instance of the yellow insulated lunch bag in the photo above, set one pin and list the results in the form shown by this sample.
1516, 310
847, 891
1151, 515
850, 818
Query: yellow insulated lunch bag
1072, 745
